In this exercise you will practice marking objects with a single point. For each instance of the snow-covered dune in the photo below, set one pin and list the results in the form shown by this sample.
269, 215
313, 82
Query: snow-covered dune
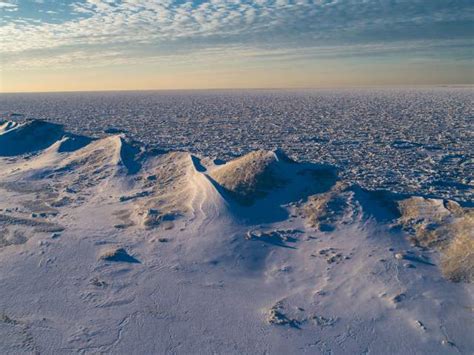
106, 246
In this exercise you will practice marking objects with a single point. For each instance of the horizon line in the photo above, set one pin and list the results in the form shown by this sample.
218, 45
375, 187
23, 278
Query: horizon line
329, 87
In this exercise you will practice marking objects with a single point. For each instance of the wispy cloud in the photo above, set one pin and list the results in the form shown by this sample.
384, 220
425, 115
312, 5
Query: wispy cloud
251, 56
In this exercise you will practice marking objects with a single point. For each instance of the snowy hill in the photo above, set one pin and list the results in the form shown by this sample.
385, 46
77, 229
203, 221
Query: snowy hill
106, 246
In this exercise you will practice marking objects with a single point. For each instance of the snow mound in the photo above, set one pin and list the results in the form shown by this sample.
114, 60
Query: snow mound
257, 174
28, 137
117, 254
251, 176
321, 210
443, 225
429, 220
165, 190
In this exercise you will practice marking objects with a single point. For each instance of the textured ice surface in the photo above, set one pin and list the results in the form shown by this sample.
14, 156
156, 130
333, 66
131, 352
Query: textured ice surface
404, 140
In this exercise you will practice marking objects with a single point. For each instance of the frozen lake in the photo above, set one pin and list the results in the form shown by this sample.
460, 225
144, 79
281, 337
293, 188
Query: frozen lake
404, 140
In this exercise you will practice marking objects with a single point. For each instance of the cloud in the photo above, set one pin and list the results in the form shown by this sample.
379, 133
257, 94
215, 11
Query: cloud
229, 55
4, 5
159, 28
8, 6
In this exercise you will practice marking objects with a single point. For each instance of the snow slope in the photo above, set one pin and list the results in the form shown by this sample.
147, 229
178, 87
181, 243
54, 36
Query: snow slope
106, 246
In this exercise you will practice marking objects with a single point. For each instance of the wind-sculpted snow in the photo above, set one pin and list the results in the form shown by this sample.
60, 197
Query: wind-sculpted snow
111, 246
402, 140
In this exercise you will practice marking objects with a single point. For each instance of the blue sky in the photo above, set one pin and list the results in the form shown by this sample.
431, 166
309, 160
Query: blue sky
367, 41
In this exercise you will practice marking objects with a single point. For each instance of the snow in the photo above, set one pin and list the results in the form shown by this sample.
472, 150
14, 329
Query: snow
109, 246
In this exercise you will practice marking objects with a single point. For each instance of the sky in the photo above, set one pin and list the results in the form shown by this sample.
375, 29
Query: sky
76, 45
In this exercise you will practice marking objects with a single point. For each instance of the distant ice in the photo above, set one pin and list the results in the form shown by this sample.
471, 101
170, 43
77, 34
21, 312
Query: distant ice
403, 140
